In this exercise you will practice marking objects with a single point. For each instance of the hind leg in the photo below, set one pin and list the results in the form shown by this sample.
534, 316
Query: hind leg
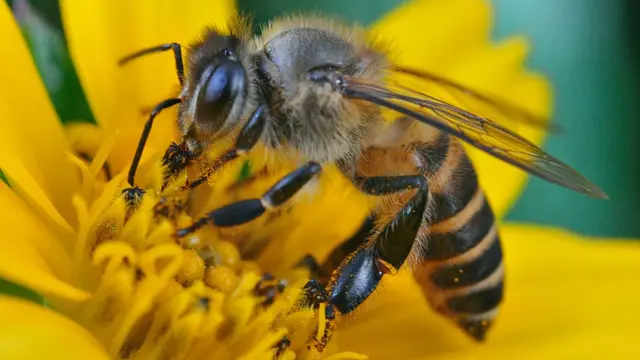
359, 274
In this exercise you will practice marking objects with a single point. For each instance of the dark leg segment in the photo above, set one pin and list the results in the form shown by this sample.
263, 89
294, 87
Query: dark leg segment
177, 54
339, 254
247, 139
394, 244
145, 135
241, 212
360, 273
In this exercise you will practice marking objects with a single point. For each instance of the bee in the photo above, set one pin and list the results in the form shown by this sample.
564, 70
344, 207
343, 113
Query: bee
317, 90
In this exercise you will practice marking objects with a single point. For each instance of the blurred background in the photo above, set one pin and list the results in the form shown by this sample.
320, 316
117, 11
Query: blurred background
588, 48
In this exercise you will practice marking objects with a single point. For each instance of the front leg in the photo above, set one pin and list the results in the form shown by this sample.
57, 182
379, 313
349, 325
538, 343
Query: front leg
249, 136
360, 272
244, 211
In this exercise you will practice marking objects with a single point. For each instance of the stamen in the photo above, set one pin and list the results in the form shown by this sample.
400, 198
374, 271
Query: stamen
347, 355
114, 254
263, 347
158, 297
103, 152
322, 321
148, 289
87, 177
83, 233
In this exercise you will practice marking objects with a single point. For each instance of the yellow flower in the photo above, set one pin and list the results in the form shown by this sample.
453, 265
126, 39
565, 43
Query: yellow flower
121, 287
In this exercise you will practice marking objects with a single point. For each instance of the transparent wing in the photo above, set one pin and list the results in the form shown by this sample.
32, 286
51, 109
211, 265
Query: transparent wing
503, 111
480, 132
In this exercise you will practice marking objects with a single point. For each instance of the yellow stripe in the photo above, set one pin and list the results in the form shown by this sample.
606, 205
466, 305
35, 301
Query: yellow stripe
438, 297
458, 220
471, 254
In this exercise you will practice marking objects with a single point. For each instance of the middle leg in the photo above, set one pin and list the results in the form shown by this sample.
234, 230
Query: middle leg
244, 211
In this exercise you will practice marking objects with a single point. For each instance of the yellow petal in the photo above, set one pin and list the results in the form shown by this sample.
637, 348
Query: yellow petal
30, 133
32, 332
451, 38
566, 297
31, 255
100, 33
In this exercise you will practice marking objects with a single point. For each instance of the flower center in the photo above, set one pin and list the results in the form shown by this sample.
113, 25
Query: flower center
159, 296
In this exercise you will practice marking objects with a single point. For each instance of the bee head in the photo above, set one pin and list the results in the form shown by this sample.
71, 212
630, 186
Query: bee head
218, 83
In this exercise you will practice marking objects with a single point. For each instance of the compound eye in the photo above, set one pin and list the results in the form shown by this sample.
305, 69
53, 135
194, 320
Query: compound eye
218, 94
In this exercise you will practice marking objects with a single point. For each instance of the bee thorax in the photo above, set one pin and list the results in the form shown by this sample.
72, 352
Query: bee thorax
320, 124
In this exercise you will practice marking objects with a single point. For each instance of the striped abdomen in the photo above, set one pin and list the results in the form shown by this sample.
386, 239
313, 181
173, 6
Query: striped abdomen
461, 272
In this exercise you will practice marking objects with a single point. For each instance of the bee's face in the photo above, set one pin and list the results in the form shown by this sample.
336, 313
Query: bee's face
217, 85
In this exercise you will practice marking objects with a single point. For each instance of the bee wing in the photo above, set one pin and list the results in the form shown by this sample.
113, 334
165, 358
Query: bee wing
474, 101
480, 132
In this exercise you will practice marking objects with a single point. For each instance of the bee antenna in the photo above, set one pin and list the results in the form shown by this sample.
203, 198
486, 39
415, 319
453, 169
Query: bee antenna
177, 54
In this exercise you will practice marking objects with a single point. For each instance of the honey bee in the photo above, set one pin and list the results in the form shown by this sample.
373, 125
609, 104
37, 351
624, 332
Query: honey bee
316, 89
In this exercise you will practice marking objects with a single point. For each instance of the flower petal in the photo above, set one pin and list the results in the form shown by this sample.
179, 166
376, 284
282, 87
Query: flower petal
31, 255
30, 133
458, 47
566, 297
100, 33
32, 332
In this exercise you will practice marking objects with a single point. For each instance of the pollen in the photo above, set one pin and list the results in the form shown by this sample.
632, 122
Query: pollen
160, 296
222, 278
192, 267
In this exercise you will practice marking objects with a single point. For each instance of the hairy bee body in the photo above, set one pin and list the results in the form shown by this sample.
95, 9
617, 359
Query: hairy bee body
312, 121
314, 90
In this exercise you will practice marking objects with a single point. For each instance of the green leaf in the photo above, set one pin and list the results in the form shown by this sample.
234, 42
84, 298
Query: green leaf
51, 56
3, 178
245, 172
9, 288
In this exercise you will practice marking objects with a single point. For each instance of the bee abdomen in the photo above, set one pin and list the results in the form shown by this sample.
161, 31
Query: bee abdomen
465, 272
461, 272
469, 268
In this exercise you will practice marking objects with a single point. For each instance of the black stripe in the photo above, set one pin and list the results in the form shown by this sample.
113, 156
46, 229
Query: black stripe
472, 272
433, 155
447, 245
465, 186
477, 302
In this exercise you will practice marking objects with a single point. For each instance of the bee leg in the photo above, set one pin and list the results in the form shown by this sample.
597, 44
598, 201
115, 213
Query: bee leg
142, 142
242, 212
360, 273
393, 245
246, 140
336, 257
177, 54
175, 159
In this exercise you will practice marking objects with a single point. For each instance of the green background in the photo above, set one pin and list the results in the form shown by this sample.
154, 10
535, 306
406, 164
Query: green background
588, 48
